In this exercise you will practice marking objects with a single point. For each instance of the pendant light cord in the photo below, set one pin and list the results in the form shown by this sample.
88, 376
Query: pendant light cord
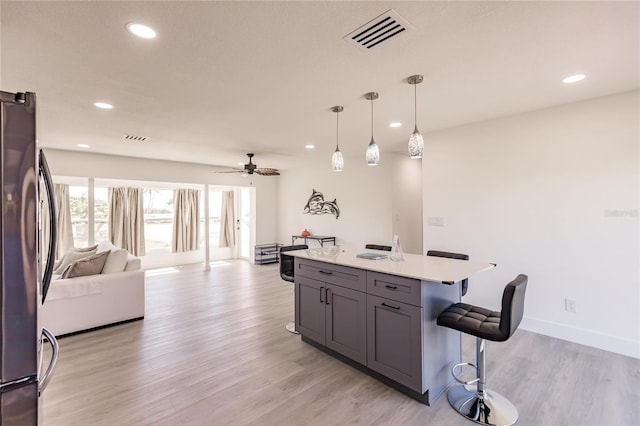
415, 105
337, 127
371, 118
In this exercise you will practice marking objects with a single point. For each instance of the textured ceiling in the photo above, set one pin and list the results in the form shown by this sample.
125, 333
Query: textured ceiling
225, 78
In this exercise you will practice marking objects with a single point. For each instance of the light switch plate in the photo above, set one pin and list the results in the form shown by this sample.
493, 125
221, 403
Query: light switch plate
435, 221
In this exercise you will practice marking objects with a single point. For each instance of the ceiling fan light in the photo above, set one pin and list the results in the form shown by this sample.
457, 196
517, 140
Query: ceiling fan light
373, 154
416, 144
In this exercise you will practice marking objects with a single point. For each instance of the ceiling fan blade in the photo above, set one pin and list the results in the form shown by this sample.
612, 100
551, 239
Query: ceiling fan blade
229, 171
263, 171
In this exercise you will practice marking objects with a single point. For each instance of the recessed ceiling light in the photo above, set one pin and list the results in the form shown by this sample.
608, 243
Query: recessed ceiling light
83, 145
309, 146
395, 124
573, 78
140, 30
103, 105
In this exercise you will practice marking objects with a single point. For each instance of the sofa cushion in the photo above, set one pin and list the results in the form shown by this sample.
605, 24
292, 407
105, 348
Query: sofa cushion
91, 265
133, 263
70, 257
116, 261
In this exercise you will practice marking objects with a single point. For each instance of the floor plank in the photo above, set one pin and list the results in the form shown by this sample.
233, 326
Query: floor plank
213, 350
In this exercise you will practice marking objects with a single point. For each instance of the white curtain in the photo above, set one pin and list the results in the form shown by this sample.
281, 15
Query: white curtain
136, 221
65, 229
126, 219
186, 220
117, 212
227, 221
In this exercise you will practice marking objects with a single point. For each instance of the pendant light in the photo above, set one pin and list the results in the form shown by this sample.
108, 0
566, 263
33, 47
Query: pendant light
337, 160
416, 142
373, 153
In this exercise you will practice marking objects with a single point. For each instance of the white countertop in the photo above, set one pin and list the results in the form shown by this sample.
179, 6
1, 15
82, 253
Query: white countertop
427, 268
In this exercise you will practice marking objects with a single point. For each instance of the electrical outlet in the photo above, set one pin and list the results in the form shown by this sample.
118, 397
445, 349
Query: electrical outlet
570, 305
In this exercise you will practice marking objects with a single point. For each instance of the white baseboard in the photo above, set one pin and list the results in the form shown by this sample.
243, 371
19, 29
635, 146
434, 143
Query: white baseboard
618, 345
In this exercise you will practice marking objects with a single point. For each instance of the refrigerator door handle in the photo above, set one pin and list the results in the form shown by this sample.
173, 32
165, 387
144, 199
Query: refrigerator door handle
48, 181
44, 380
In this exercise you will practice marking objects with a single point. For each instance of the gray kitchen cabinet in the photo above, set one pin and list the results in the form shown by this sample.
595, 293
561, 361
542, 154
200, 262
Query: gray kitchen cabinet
394, 341
384, 322
332, 315
346, 322
310, 308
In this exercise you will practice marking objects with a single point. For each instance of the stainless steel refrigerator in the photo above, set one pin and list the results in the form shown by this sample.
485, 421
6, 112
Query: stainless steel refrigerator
25, 266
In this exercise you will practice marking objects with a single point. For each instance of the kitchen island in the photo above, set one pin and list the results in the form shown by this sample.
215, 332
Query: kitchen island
380, 316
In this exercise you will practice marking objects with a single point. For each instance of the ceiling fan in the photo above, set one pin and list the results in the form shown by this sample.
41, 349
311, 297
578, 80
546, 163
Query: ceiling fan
250, 169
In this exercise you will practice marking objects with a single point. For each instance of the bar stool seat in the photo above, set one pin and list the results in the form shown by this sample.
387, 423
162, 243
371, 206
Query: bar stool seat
287, 270
483, 405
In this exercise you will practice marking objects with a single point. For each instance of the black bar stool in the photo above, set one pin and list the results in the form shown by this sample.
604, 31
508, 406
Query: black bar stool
449, 255
287, 273
377, 247
483, 405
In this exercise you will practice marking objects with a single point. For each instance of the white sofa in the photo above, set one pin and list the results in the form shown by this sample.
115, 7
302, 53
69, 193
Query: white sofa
87, 302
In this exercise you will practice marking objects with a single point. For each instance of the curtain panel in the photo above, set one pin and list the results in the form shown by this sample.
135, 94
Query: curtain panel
65, 228
186, 220
227, 221
126, 219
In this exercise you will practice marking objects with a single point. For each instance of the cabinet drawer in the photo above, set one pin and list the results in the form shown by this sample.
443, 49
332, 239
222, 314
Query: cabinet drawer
343, 276
401, 289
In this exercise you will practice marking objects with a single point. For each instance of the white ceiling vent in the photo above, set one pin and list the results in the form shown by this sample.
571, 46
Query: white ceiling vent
135, 138
382, 29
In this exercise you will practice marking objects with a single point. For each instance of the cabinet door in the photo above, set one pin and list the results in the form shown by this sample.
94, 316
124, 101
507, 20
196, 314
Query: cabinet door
346, 322
394, 341
310, 308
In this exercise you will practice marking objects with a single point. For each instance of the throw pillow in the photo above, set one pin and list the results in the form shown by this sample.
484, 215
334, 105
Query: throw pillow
105, 246
116, 261
81, 249
72, 256
91, 265
58, 263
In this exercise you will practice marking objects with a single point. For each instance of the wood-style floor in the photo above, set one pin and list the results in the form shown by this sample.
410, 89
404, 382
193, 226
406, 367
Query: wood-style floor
213, 350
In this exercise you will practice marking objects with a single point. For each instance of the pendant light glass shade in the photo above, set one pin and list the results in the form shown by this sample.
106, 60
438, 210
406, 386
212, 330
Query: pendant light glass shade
373, 152
337, 160
416, 142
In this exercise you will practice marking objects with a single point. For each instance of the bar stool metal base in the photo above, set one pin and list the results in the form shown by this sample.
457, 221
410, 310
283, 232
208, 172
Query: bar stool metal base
490, 409
291, 327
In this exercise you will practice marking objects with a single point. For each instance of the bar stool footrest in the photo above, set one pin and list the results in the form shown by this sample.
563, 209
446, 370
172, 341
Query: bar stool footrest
457, 378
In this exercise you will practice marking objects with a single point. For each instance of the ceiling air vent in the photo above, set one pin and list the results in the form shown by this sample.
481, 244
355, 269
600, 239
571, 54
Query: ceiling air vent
382, 29
135, 138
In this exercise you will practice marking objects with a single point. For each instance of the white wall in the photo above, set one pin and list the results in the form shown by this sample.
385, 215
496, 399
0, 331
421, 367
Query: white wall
552, 194
363, 194
81, 164
407, 202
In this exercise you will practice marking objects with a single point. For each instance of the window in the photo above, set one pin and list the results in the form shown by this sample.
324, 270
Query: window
101, 214
158, 220
79, 207
215, 208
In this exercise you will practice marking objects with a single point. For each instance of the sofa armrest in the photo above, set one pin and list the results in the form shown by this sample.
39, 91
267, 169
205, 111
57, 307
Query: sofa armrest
112, 298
